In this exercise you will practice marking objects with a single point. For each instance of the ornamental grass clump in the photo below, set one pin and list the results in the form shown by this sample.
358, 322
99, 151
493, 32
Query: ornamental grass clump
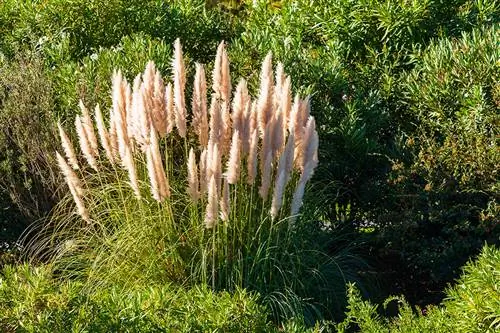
207, 195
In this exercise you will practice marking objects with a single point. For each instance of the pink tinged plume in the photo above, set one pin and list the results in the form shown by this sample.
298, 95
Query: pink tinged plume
104, 136
85, 145
199, 106
67, 145
192, 177
224, 202
233, 163
170, 113
179, 85
212, 205
265, 100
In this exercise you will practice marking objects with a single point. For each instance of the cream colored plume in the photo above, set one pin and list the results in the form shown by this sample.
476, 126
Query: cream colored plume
103, 134
266, 94
192, 177
252, 160
199, 106
89, 129
170, 112
225, 202
75, 187
68, 147
233, 163
179, 85
221, 76
212, 209
85, 145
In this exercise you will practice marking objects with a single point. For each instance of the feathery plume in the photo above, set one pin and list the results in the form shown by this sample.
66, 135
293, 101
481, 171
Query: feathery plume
299, 190
309, 144
120, 121
217, 73
286, 100
212, 205
226, 78
284, 173
245, 128
266, 175
68, 147
169, 102
85, 146
192, 177
279, 188
113, 139
203, 172
161, 177
278, 133
215, 121
226, 128
239, 105
75, 187
159, 110
103, 134
179, 84
199, 105
89, 129
224, 202
265, 100
252, 157
233, 163
153, 179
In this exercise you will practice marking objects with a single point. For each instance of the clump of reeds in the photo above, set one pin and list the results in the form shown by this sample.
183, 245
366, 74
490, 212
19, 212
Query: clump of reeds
267, 143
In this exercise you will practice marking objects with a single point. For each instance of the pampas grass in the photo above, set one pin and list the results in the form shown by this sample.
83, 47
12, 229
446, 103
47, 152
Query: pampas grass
202, 223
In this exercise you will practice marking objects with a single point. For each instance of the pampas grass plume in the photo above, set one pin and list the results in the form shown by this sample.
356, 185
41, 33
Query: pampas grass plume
193, 177
179, 85
68, 147
212, 205
233, 163
224, 202
75, 187
103, 134
89, 129
199, 105
85, 146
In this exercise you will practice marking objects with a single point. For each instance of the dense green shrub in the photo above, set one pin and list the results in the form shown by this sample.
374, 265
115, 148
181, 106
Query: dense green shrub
94, 24
472, 304
444, 199
33, 300
30, 179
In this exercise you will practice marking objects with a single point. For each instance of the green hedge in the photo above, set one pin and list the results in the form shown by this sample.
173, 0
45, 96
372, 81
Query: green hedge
472, 305
31, 300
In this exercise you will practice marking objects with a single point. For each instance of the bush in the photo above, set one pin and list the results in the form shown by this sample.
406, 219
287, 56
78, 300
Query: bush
444, 200
472, 304
94, 24
34, 300
30, 180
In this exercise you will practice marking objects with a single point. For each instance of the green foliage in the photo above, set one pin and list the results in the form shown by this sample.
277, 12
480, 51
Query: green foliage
444, 200
29, 181
472, 305
33, 300
94, 24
